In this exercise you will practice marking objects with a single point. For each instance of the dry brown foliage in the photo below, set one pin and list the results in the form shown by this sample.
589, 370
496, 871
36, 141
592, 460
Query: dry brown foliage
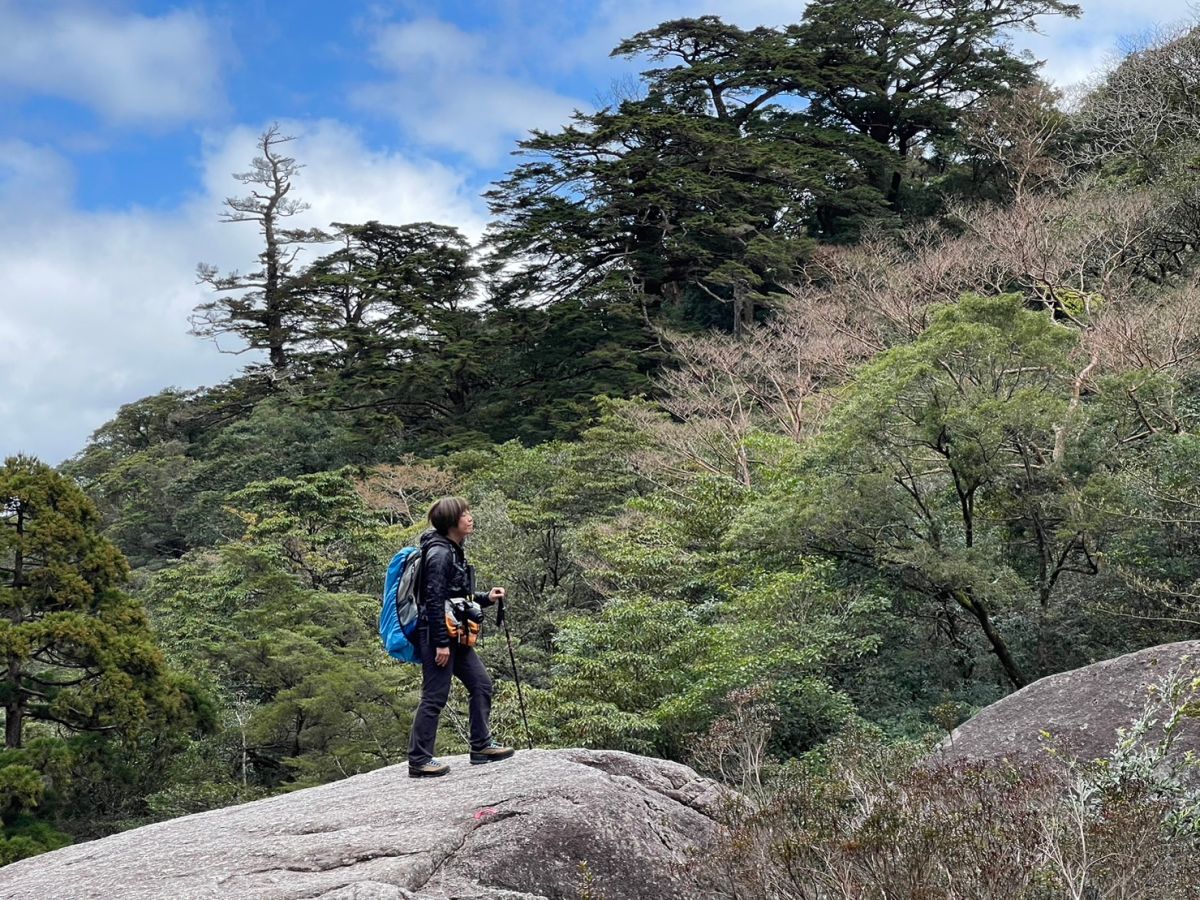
863, 299
403, 493
1153, 336
1147, 105
1022, 134
1059, 248
880, 821
1101, 258
734, 748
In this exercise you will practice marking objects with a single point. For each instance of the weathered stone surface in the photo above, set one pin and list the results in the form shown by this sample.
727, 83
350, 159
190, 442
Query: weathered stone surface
1081, 709
516, 830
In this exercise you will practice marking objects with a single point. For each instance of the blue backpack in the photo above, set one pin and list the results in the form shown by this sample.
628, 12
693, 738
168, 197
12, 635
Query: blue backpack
401, 610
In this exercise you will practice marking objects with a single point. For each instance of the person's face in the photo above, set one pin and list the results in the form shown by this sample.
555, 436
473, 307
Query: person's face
466, 523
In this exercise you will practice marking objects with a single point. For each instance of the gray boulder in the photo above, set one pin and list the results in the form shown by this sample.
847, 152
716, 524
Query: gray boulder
1081, 710
515, 830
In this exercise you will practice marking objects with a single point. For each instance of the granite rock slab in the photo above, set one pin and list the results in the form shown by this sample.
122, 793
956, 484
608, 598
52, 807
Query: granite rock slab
513, 830
1078, 712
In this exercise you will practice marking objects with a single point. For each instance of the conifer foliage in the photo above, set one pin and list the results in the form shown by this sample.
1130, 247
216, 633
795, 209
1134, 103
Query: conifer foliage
79, 655
79, 652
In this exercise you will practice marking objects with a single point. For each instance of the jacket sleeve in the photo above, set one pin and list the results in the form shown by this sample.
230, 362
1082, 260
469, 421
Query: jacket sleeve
439, 569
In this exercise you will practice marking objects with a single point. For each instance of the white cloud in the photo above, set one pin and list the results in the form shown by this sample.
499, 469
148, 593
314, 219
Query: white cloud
33, 178
95, 307
129, 68
1077, 50
451, 89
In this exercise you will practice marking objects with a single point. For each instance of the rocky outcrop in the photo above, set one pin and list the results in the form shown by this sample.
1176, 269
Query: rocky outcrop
1080, 710
516, 830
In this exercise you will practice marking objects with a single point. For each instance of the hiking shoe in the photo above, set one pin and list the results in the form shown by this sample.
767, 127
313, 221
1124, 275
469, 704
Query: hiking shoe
493, 752
431, 769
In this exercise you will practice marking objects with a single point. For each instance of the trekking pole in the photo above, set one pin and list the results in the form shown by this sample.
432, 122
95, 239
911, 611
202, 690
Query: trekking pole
501, 620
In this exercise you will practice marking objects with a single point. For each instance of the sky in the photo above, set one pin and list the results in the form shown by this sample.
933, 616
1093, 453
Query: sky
121, 123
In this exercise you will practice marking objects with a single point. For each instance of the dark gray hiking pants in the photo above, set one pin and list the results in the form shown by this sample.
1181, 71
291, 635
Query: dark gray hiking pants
466, 666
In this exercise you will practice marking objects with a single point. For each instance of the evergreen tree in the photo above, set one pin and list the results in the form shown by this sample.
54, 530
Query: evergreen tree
899, 73
392, 329
548, 364
82, 670
78, 651
939, 473
685, 198
282, 622
398, 339
367, 305
699, 197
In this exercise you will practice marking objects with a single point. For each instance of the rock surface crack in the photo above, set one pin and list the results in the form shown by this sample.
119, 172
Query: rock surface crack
324, 866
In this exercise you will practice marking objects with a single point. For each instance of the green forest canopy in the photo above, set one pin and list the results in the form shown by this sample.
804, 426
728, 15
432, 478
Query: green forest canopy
839, 373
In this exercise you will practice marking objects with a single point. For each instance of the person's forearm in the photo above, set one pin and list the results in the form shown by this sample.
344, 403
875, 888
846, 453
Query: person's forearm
436, 617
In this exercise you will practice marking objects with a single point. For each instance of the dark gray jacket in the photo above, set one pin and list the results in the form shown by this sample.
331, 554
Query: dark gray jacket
445, 573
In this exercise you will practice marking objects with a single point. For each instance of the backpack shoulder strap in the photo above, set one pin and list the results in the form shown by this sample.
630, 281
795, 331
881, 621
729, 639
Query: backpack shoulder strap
419, 590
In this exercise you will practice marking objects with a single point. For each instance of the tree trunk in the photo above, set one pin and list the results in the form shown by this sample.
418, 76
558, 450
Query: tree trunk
14, 709
999, 646
893, 194
743, 311
272, 299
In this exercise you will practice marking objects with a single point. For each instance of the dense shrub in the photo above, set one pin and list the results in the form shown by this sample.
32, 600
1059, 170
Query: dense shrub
862, 817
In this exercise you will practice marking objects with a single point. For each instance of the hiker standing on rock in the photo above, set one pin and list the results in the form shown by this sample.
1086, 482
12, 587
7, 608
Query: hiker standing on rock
446, 576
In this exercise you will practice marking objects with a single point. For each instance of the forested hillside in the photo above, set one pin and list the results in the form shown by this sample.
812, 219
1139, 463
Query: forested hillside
828, 385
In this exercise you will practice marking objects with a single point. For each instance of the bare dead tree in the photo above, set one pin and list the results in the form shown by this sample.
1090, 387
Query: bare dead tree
1142, 119
257, 306
878, 293
1065, 251
681, 450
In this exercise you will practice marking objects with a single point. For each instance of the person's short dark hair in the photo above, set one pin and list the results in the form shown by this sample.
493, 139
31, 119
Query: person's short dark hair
445, 514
